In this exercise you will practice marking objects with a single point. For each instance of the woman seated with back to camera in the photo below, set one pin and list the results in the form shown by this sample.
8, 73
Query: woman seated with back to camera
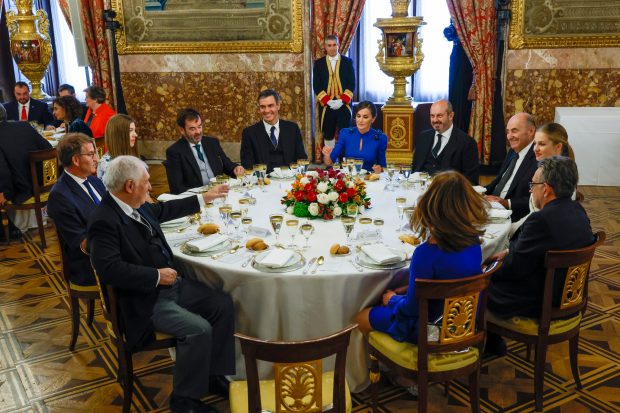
449, 216
69, 110
360, 141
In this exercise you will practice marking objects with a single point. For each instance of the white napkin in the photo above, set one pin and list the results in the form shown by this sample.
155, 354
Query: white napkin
234, 182
499, 213
277, 258
381, 254
170, 197
408, 250
259, 231
173, 222
480, 189
282, 173
205, 244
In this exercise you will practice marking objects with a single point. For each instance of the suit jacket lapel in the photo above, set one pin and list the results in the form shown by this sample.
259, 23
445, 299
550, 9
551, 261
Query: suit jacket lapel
214, 161
525, 164
187, 151
146, 214
132, 232
81, 198
448, 150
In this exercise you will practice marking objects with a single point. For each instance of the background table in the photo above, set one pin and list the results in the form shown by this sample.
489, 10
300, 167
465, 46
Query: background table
293, 306
594, 134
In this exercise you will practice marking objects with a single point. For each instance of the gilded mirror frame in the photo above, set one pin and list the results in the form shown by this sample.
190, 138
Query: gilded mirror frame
140, 23
552, 12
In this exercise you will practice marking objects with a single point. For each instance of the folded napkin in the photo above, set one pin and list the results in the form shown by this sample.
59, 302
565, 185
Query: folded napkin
173, 222
381, 254
480, 189
170, 197
234, 182
259, 231
367, 235
499, 213
277, 258
282, 173
205, 244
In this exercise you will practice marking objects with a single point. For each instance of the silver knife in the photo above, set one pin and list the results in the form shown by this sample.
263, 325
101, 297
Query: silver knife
309, 265
247, 261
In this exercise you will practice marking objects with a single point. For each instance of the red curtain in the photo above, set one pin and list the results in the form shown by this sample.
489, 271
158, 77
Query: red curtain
97, 48
339, 17
476, 22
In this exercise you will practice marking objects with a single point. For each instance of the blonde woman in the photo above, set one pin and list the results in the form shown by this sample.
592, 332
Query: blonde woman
120, 139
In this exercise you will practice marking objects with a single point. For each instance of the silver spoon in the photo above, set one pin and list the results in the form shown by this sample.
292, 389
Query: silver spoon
231, 251
319, 262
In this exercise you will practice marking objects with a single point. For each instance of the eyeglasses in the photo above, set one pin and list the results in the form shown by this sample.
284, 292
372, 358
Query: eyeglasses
92, 154
535, 183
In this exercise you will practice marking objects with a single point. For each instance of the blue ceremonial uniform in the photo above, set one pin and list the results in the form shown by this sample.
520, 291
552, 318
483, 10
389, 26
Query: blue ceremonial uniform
373, 143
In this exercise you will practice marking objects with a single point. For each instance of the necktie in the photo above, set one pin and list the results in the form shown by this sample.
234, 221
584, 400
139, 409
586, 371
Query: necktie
136, 216
24, 114
437, 146
91, 192
199, 152
502, 182
274, 141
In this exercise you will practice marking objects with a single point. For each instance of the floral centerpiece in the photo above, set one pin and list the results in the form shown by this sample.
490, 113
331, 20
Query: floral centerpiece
324, 194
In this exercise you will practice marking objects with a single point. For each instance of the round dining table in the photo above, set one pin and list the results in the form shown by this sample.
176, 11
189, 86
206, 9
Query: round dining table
297, 306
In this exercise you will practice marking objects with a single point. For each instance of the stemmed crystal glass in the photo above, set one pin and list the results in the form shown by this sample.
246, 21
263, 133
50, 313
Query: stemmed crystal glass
249, 182
207, 215
358, 163
391, 170
244, 205
225, 211
303, 164
292, 224
261, 170
378, 223
364, 222
294, 167
348, 223
306, 230
246, 222
236, 216
400, 209
408, 214
276, 224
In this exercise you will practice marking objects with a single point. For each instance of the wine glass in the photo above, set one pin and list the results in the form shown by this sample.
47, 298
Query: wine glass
246, 222
225, 211
391, 170
236, 216
261, 170
303, 164
294, 167
249, 182
207, 215
244, 205
352, 210
348, 224
292, 223
276, 224
378, 223
306, 230
358, 163
409, 213
364, 222
400, 209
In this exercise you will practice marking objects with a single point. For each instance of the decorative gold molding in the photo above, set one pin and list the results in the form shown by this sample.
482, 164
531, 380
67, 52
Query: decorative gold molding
140, 25
551, 12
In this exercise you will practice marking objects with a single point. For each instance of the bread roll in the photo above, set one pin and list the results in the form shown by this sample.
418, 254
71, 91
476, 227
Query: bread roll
343, 250
251, 242
372, 177
333, 250
208, 229
260, 246
409, 239
267, 181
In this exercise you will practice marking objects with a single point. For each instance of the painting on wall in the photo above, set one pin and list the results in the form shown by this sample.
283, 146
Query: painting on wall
564, 23
203, 26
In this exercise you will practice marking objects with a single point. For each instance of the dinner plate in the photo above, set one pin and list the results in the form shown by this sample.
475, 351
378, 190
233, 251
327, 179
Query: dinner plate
365, 261
296, 262
341, 255
207, 253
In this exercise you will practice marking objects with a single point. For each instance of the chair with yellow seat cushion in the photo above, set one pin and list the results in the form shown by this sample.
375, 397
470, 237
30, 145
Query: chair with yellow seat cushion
44, 161
90, 293
460, 339
556, 323
299, 383
111, 312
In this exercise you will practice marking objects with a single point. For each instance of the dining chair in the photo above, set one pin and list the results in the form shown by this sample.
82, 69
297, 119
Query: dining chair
115, 329
300, 385
90, 293
558, 322
44, 174
457, 349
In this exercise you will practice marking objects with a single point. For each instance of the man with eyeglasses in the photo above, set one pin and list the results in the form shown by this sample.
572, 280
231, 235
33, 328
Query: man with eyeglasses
17, 139
560, 224
73, 199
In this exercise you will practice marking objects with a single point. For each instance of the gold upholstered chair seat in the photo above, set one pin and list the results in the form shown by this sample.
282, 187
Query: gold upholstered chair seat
32, 200
406, 354
239, 394
531, 326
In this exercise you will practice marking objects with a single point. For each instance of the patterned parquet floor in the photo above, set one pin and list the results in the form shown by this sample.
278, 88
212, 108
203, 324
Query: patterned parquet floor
39, 374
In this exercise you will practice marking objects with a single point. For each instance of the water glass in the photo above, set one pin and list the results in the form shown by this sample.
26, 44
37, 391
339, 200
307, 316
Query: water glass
306, 230
276, 223
292, 224
236, 216
348, 223
378, 223
400, 209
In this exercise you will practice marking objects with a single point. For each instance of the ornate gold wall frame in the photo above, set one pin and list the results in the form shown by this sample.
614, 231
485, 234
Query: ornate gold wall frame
540, 24
215, 26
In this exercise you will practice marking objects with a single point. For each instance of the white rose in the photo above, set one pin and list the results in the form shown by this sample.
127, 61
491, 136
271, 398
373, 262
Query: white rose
350, 184
333, 196
304, 180
322, 198
313, 208
322, 187
337, 211
314, 174
289, 210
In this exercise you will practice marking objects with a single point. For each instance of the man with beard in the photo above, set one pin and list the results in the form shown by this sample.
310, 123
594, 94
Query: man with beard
194, 159
28, 109
445, 147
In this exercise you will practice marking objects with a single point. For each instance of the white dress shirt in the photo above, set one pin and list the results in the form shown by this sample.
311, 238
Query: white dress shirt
276, 132
521, 156
80, 182
334, 61
445, 137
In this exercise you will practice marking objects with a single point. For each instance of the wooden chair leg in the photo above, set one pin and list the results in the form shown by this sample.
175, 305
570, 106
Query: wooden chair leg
74, 304
4, 216
539, 374
125, 375
91, 311
446, 388
573, 345
528, 352
375, 376
39, 215
422, 392
474, 390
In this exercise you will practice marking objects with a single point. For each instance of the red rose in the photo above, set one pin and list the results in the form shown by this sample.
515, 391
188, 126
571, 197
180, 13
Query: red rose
343, 197
299, 195
351, 192
339, 185
311, 195
309, 187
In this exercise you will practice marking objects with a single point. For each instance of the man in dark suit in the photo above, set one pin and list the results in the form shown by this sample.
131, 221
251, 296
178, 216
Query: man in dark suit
28, 109
73, 199
130, 253
445, 147
271, 141
561, 224
194, 159
511, 186
333, 81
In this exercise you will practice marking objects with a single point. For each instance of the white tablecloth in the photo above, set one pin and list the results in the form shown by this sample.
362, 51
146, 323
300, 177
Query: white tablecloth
594, 134
293, 306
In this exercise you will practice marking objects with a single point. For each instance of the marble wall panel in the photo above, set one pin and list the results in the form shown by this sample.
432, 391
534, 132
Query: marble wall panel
226, 100
576, 58
540, 91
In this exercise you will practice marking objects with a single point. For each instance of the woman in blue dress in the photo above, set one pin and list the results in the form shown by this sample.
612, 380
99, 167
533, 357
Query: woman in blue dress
69, 110
449, 216
360, 141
